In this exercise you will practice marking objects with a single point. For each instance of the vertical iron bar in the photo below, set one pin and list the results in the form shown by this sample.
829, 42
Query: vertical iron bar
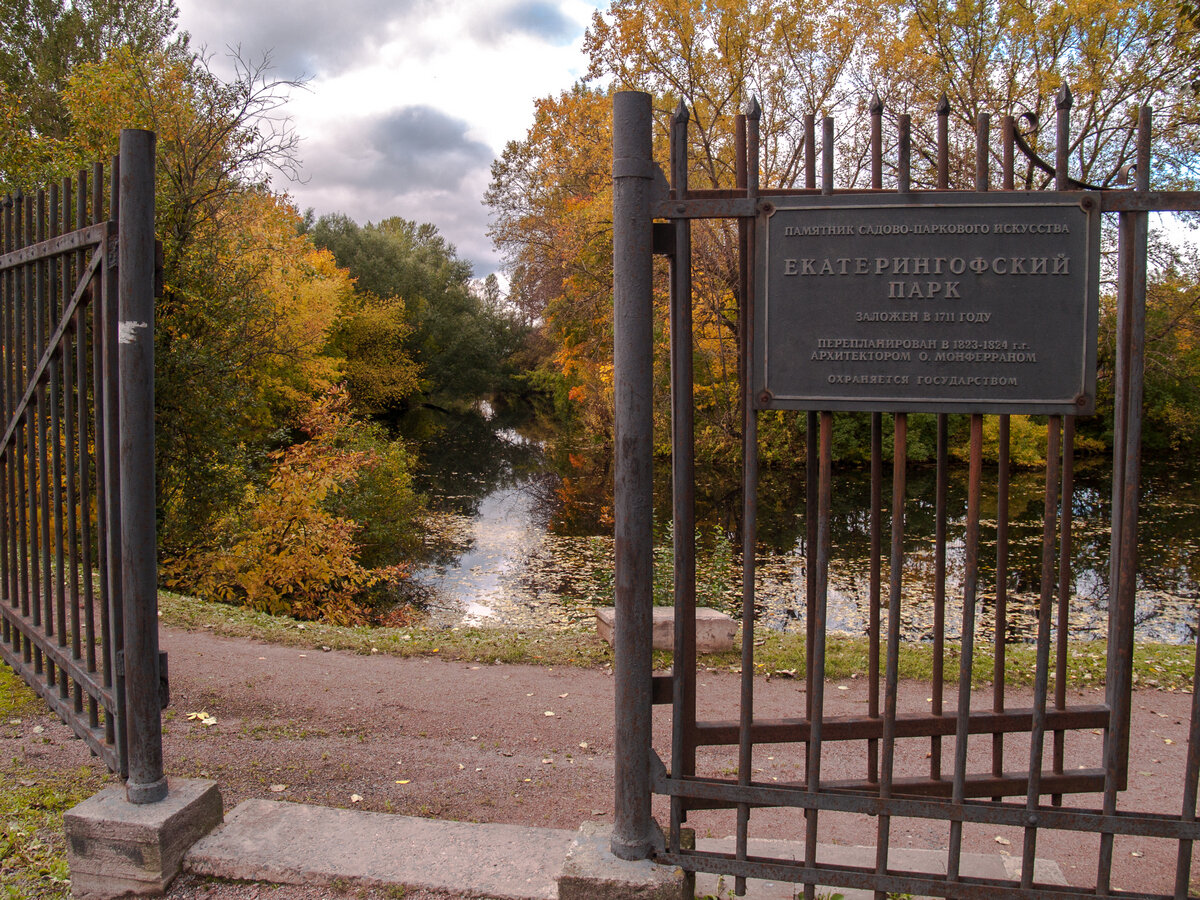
85, 462
939, 589
967, 657
31, 431
943, 142
139, 565
810, 151
813, 771
1008, 142
72, 271
41, 337
633, 178
9, 548
112, 439
891, 676
876, 493
1042, 670
5, 349
683, 474
1183, 859
57, 282
1064, 594
749, 510
106, 637
1062, 183
1131, 303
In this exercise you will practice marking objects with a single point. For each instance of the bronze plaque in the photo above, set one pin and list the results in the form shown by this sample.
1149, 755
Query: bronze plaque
933, 302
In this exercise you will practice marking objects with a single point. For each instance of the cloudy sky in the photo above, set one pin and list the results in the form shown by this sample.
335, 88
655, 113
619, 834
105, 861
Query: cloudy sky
407, 101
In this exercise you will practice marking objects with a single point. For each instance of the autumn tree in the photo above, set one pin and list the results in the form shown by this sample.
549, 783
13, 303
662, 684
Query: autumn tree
441, 341
822, 59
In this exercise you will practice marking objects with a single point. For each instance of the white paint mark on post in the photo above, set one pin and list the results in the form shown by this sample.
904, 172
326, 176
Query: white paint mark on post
127, 331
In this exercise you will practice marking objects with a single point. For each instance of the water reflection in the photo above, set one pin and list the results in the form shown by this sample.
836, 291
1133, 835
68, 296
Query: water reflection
527, 538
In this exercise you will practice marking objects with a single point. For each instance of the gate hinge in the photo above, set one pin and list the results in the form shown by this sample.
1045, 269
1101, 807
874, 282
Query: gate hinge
663, 238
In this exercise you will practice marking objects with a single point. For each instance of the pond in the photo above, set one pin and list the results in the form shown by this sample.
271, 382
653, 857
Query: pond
525, 538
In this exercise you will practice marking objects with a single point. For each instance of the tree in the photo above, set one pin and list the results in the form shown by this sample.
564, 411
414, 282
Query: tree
43, 42
407, 274
548, 192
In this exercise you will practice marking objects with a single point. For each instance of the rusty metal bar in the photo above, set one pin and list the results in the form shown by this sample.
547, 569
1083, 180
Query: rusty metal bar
898, 883
1042, 671
891, 676
139, 561
749, 508
851, 728
942, 479
683, 477
633, 179
876, 564
82, 368
1131, 305
77, 239
56, 464
812, 775
934, 807
72, 267
967, 656
1191, 779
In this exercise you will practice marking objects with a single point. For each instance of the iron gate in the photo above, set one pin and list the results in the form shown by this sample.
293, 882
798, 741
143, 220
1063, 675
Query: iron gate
77, 555
961, 797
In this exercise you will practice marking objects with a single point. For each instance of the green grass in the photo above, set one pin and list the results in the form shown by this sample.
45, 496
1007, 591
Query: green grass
1163, 666
33, 862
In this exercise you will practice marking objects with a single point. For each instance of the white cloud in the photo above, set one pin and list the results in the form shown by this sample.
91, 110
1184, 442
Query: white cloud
408, 100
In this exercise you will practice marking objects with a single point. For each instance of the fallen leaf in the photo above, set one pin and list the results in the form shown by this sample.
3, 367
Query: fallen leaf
1168, 741
1004, 841
355, 798
1137, 854
550, 713
278, 788
401, 781
583, 744
38, 729
527, 779
562, 696
461, 766
843, 687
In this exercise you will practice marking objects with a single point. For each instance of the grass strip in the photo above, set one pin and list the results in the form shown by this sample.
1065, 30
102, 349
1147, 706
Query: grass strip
1163, 666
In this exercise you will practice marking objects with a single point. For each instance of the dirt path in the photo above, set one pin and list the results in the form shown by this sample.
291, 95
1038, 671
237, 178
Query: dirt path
534, 745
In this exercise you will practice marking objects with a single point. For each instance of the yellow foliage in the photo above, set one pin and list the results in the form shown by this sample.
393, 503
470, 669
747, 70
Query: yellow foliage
282, 552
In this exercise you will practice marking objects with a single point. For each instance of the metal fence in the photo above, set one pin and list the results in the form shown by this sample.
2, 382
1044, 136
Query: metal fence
948, 792
77, 527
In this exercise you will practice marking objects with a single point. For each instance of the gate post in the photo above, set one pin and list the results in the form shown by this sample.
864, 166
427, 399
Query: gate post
139, 571
633, 177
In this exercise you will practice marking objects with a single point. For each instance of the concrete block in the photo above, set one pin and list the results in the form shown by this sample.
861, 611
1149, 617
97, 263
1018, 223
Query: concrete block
117, 849
714, 630
591, 872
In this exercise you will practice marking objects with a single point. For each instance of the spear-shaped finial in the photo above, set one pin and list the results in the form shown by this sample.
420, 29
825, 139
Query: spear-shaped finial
681, 113
943, 105
752, 110
876, 105
1064, 98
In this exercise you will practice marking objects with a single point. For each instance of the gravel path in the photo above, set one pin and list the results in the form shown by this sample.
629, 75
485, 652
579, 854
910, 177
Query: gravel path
534, 746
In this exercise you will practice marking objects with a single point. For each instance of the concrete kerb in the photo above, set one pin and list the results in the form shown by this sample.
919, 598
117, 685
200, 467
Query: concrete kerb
117, 849
592, 872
